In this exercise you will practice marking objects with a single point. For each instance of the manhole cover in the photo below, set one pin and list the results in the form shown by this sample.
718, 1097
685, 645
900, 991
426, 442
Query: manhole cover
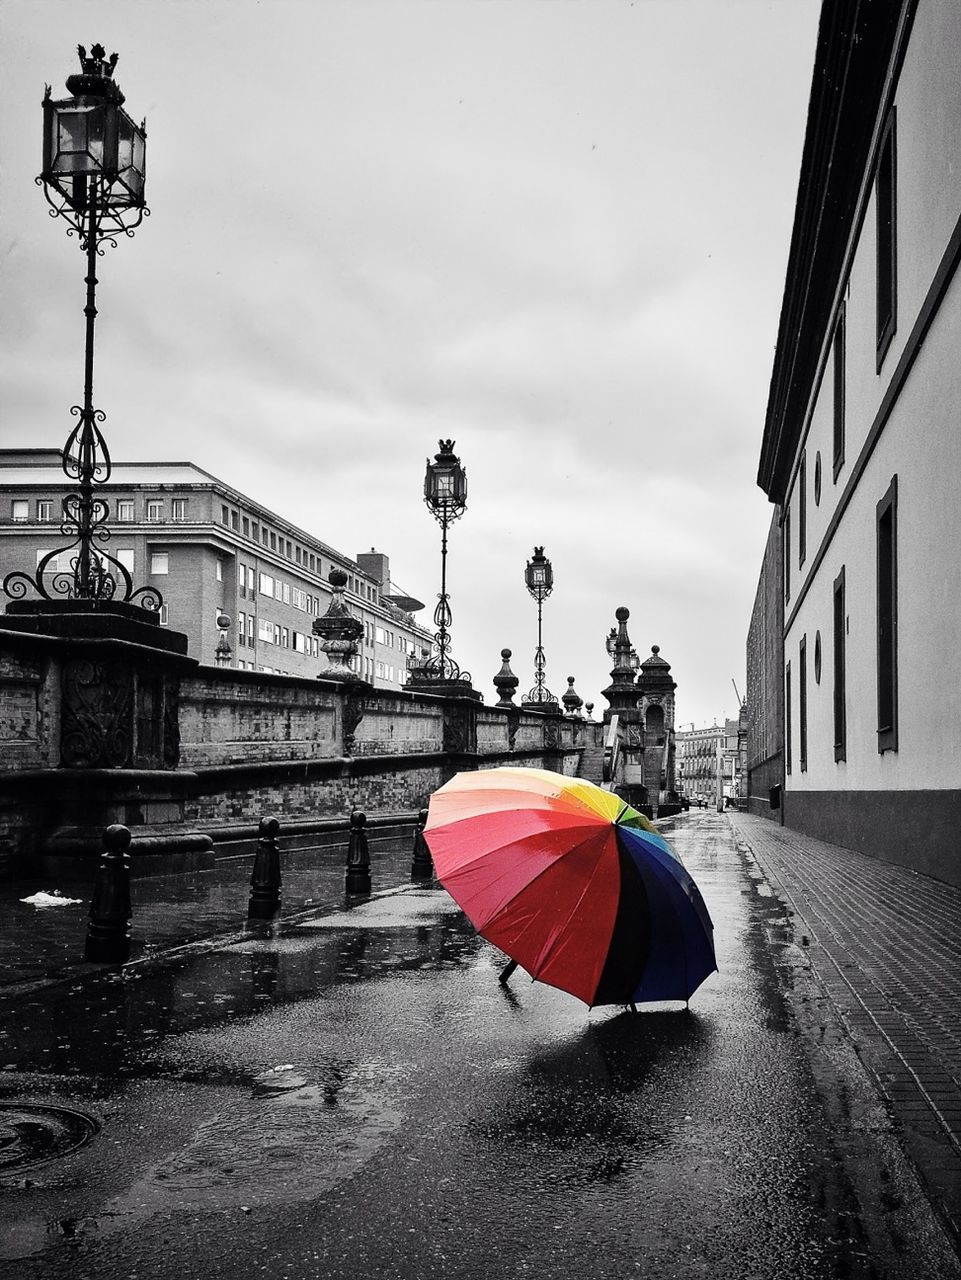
31, 1133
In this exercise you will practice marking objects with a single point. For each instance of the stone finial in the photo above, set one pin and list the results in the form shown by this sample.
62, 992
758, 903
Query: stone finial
505, 682
589, 710
621, 692
223, 651
339, 631
571, 699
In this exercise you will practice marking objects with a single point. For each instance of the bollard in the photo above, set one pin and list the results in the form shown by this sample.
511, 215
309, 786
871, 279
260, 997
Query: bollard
108, 928
421, 863
264, 901
358, 855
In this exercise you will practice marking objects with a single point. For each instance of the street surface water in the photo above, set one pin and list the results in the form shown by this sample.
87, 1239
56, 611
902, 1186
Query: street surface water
358, 1096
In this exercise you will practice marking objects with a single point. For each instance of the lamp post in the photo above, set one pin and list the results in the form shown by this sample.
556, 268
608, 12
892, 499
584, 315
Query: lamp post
93, 176
539, 578
445, 492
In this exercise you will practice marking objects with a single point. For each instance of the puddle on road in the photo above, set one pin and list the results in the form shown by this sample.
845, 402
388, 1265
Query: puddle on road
394, 911
295, 1140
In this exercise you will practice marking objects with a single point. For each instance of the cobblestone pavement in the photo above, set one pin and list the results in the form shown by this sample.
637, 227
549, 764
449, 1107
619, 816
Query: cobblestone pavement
885, 942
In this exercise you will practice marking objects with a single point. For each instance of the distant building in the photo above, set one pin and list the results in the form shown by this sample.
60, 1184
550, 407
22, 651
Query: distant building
764, 704
861, 452
700, 753
211, 550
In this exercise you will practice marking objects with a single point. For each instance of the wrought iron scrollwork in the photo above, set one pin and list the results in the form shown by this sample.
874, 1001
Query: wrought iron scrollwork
108, 222
97, 216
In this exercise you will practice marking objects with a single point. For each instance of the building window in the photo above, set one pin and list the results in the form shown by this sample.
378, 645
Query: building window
224, 516
273, 542
246, 527
839, 357
255, 530
886, 196
241, 628
285, 638
125, 510
887, 619
126, 557
802, 512
159, 562
787, 717
220, 569
164, 615
265, 630
44, 510
802, 705
53, 564
264, 538
787, 556
286, 593
21, 509
840, 720
266, 585
178, 509
155, 510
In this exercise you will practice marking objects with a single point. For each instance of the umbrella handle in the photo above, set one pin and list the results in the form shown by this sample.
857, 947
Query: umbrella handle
505, 973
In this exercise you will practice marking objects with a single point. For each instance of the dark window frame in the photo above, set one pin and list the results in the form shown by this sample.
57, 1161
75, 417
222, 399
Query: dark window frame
887, 618
788, 760
840, 670
886, 201
786, 535
839, 358
802, 709
802, 512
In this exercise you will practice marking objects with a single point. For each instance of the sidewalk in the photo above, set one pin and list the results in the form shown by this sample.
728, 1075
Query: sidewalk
46, 944
885, 943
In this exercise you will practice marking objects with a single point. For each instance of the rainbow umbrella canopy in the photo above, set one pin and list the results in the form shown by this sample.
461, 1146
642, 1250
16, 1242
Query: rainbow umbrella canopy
572, 884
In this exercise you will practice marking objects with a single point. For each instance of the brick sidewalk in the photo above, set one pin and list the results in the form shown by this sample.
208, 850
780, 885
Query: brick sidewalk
885, 943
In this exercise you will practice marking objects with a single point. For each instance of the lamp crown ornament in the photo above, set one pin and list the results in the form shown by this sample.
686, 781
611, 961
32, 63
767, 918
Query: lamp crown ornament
95, 79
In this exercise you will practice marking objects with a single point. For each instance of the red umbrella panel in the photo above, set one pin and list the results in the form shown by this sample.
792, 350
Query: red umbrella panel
572, 883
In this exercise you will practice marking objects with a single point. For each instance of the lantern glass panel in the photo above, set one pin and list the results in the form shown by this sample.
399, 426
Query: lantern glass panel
80, 133
443, 484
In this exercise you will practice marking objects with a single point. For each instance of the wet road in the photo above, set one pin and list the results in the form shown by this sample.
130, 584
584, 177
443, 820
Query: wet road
360, 1098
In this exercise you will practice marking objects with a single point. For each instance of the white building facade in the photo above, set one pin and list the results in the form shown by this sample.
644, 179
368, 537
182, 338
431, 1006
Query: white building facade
862, 443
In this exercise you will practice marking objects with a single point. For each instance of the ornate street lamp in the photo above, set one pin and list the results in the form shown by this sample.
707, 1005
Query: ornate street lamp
445, 492
93, 176
539, 577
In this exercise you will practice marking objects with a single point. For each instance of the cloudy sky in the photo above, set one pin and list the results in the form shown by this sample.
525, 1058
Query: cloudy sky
554, 230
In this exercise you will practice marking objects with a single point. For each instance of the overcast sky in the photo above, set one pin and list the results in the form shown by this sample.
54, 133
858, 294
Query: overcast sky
554, 230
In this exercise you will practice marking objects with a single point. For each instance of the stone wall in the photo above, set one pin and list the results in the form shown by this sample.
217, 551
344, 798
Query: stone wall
238, 745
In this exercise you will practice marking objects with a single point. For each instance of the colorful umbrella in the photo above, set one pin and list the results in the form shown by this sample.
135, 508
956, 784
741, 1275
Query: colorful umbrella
571, 883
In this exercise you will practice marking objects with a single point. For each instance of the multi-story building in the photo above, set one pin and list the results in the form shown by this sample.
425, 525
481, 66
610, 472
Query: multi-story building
701, 753
212, 551
862, 453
